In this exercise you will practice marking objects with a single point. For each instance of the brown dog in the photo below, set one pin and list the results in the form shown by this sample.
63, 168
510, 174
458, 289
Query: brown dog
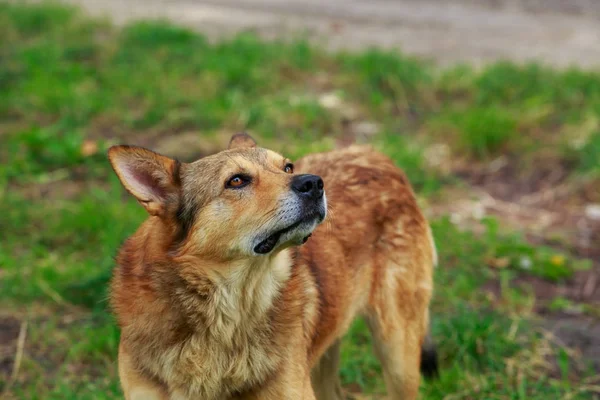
216, 300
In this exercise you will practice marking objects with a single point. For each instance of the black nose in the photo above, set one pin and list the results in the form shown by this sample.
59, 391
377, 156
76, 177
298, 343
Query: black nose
308, 186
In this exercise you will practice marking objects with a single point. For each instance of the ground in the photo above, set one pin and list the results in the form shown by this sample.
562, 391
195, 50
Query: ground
446, 31
503, 159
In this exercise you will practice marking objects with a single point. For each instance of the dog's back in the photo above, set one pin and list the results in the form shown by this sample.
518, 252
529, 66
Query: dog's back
373, 257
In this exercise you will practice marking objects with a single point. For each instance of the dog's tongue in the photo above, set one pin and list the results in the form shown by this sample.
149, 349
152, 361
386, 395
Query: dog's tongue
268, 244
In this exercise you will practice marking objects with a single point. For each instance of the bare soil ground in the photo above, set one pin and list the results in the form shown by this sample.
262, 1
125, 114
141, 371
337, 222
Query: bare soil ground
557, 32
9, 332
549, 210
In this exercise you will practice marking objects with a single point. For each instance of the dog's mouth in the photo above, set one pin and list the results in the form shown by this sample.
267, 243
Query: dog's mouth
270, 242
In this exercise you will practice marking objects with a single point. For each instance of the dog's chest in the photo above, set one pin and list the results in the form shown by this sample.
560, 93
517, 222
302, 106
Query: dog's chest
234, 346
215, 369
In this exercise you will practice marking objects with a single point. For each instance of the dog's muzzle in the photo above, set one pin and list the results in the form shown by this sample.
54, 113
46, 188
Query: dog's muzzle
311, 211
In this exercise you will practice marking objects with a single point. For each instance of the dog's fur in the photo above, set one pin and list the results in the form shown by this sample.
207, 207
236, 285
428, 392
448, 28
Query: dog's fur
204, 317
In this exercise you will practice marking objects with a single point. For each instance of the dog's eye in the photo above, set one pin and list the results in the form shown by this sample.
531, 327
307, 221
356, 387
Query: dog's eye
289, 168
237, 181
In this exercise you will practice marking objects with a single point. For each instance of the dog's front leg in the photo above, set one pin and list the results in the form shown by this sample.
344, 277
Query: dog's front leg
135, 385
284, 390
292, 381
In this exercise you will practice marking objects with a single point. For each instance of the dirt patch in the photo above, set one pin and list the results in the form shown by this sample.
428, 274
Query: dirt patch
9, 333
442, 30
47, 349
507, 179
192, 145
184, 144
549, 204
565, 7
578, 333
583, 287
70, 183
65, 189
545, 200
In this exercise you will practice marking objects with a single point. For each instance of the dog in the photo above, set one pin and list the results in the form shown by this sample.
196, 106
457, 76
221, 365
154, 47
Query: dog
220, 294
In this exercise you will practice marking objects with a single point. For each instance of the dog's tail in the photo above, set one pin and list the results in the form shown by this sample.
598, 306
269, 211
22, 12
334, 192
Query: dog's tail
429, 358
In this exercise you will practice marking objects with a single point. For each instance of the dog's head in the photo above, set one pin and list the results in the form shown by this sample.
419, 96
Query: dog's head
242, 202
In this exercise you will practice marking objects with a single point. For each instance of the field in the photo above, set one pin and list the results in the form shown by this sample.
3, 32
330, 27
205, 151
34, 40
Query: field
504, 160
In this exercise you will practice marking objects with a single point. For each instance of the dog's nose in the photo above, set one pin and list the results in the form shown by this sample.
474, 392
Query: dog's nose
308, 186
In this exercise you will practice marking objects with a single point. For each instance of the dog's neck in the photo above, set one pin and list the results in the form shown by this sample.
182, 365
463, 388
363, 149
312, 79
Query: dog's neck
205, 313
238, 295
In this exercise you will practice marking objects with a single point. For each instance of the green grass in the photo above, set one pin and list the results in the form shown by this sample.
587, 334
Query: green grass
71, 86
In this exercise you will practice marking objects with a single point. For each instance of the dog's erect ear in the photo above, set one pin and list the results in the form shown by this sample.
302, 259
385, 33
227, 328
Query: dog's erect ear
151, 178
240, 141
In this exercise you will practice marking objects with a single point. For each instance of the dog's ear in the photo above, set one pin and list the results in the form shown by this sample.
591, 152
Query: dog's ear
153, 179
241, 140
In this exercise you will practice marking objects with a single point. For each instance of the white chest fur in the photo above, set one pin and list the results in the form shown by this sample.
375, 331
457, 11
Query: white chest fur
233, 349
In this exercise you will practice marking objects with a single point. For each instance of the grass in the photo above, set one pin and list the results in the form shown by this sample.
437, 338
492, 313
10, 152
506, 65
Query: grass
72, 85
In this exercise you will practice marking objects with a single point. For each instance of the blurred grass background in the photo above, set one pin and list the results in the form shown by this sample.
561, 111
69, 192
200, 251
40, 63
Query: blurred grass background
504, 160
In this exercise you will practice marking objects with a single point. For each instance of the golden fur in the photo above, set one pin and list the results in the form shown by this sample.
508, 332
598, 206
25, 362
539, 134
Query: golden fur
203, 316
